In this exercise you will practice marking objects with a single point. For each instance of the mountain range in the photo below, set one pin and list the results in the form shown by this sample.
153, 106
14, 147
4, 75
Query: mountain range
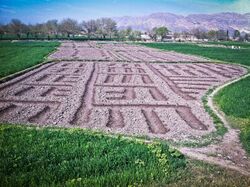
178, 23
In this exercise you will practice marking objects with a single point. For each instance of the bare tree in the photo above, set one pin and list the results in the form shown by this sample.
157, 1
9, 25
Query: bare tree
176, 35
52, 27
16, 27
49, 28
26, 30
196, 32
152, 33
199, 34
37, 29
247, 37
90, 27
2, 30
212, 35
128, 31
106, 26
185, 35
69, 26
135, 35
122, 34
222, 35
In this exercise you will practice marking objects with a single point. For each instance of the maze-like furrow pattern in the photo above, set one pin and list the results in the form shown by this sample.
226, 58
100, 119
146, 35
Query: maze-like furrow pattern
123, 90
159, 100
191, 81
92, 51
36, 96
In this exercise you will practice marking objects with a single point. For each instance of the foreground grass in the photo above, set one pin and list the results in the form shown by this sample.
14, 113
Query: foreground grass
17, 56
32, 156
224, 54
198, 173
234, 101
71, 157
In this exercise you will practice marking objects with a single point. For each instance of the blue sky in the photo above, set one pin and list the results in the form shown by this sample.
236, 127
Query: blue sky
32, 11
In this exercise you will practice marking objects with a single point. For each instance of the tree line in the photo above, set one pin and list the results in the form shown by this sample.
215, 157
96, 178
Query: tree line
214, 35
69, 28
103, 27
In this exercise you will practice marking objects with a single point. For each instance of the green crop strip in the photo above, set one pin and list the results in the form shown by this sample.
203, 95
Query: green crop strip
18, 56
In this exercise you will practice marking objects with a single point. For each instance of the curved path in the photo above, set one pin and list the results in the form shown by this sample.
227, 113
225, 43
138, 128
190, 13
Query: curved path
227, 153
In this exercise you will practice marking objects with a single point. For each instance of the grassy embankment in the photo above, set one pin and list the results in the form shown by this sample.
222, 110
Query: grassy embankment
17, 56
233, 100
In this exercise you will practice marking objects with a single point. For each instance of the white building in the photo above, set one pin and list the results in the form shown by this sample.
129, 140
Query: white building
146, 37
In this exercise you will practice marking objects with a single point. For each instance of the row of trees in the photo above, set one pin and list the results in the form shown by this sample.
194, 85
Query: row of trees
99, 28
67, 27
214, 35
104, 28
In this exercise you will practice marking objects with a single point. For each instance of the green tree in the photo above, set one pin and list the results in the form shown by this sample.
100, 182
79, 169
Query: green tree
236, 34
162, 32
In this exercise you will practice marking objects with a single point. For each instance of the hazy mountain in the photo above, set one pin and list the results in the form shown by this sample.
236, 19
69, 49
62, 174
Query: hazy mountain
226, 21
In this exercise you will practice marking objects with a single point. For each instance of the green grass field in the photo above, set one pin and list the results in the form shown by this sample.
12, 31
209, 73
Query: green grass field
200, 174
233, 100
17, 56
223, 54
68, 157
31, 156
230, 43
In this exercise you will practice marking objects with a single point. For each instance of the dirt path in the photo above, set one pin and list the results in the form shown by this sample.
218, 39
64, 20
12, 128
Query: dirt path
229, 152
